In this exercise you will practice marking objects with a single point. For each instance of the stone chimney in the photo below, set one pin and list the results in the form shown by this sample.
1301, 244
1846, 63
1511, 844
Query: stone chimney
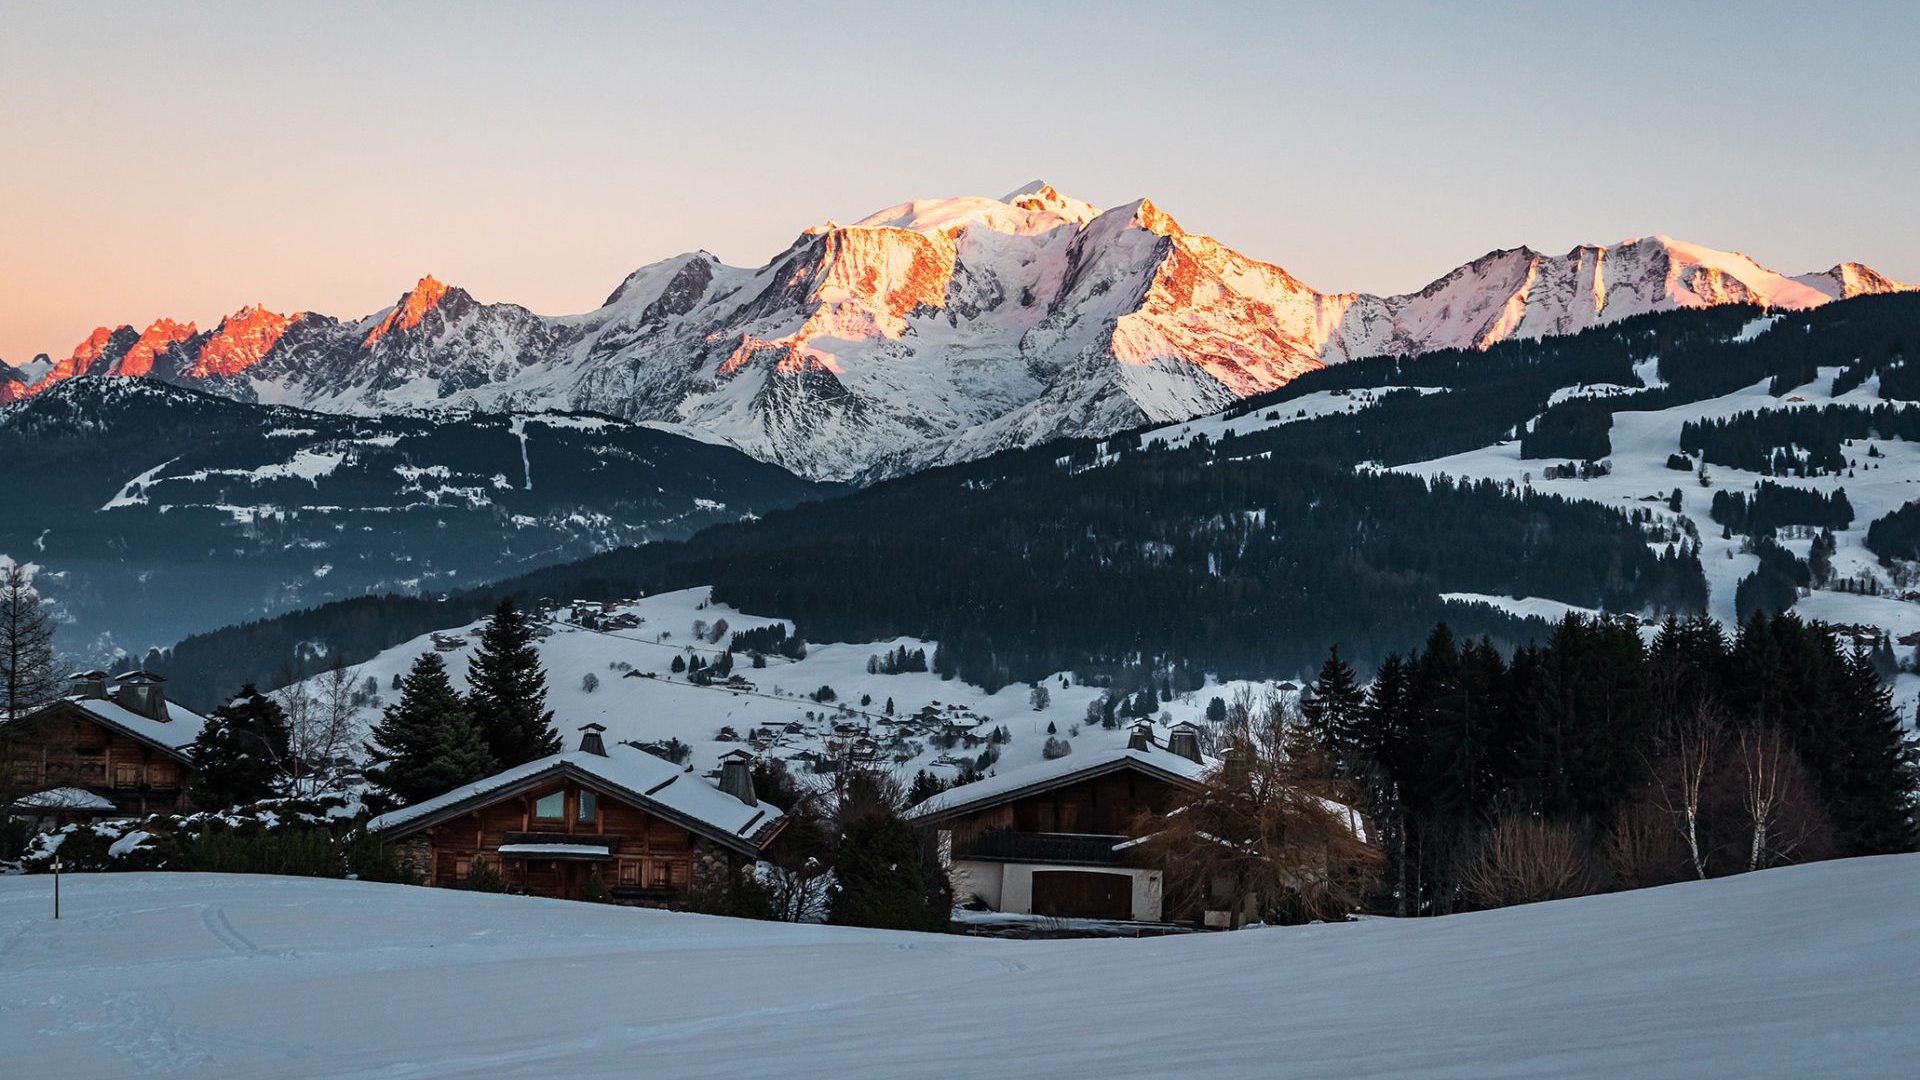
1184, 740
1142, 736
88, 684
139, 692
736, 776
590, 740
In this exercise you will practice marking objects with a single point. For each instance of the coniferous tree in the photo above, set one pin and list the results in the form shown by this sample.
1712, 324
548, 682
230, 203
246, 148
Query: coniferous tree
883, 874
1331, 707
242, 753
427, 743
507, 691
1873, 798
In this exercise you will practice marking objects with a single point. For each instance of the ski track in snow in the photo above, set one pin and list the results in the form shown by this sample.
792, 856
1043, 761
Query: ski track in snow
519, 428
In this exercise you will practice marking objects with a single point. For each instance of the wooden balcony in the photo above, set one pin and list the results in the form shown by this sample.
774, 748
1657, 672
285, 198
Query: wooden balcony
1005, 845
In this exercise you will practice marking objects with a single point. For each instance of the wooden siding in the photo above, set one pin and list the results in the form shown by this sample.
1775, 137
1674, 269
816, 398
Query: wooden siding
63, 746
1104, 805
651, 858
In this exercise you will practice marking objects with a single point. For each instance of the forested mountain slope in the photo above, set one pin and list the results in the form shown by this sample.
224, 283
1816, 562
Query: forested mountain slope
157, 511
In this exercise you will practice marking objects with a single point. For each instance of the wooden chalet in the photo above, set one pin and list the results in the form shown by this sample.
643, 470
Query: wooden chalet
654, 833
113, 747
1053, 838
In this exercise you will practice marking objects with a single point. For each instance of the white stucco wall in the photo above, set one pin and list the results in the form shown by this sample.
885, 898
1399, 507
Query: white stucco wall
1008, 887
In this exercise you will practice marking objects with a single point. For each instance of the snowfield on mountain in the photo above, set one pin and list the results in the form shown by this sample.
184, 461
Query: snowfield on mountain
639, 697
932, 331
1640, 478
1796, 972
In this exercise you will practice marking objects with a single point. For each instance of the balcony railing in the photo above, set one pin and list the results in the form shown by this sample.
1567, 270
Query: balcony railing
1005, 844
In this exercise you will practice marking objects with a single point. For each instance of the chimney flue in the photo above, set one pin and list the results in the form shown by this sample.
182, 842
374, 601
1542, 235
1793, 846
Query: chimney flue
590, 740
736, 776
1184, 740
89, 684
1142, 737
139, 692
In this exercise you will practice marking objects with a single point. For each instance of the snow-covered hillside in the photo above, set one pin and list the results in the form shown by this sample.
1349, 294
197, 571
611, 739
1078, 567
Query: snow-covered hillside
641, 699
1799, 972
931, 331
1640, 479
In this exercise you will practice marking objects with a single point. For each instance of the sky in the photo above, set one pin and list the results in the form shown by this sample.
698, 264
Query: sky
185, 160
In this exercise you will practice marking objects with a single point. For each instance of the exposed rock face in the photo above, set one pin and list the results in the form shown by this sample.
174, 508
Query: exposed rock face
934, 330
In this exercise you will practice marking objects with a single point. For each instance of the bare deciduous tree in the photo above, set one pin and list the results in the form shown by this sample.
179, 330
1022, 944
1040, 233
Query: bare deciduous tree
1694, 735
1523, 860
323, 723
1782, 818
28, 675
1273, 827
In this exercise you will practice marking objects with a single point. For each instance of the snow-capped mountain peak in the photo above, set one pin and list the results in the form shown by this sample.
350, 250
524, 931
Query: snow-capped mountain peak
412, 307
932, 330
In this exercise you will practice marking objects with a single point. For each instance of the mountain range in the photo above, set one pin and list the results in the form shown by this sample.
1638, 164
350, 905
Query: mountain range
929, 332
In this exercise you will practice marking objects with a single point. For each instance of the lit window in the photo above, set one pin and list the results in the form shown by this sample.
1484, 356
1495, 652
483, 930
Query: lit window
584, 811
552, 807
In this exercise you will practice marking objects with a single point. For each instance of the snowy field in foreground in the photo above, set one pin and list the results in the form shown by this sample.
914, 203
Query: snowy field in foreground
1808, 971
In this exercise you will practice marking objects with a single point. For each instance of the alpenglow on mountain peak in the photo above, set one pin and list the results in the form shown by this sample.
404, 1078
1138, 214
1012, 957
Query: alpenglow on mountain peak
929, 331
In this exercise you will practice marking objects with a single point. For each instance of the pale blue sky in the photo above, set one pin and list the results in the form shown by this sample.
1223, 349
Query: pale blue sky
184, 160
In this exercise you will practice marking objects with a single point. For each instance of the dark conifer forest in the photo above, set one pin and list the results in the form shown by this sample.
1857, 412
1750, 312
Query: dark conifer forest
1695, 755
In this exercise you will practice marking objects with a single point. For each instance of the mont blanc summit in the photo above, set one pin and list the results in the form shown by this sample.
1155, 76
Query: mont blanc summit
930, 331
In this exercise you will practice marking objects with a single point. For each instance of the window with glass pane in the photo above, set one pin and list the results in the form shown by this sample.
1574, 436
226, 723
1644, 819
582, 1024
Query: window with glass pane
586, 807
551, 806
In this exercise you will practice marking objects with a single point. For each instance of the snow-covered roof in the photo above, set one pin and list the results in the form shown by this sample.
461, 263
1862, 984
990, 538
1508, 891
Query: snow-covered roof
559, 851
1004, 787
624, 772
173, 736
64, 798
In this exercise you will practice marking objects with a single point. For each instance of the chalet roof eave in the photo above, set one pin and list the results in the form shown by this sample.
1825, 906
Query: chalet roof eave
949, 812
174, 752
750, 846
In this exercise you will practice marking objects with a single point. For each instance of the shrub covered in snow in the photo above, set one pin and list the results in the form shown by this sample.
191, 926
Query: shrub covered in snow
312, 837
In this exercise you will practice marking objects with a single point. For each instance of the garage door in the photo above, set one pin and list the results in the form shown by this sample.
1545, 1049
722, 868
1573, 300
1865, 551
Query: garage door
1082, 894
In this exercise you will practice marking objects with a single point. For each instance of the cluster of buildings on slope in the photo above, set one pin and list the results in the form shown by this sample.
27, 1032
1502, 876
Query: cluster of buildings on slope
1055, 838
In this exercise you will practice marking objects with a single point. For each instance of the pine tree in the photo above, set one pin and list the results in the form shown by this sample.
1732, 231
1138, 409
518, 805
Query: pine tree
1331, 708
427, 743
507, 691
880, 876
241, 753
1873, 799
28, 678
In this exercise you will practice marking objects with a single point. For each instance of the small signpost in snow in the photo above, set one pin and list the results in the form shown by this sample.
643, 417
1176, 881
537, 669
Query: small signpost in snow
56, 885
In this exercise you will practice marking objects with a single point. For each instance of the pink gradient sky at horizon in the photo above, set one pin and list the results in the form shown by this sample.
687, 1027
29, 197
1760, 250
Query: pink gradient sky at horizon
184, 160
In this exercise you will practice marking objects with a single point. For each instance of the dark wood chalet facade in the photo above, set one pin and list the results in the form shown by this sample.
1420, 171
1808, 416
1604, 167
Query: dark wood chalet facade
651, 832
100, 752
1052, 839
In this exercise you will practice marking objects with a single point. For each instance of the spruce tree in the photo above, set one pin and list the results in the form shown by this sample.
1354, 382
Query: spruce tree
880, 877
1331, 707
427, 743
1873, 799
241, 753
507, 691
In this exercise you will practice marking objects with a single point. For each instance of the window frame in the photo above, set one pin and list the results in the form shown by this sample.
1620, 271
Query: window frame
586, 807
558, 815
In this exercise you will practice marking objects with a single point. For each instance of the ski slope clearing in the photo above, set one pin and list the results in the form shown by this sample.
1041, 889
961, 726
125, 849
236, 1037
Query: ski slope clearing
1640, 479
1806, 971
